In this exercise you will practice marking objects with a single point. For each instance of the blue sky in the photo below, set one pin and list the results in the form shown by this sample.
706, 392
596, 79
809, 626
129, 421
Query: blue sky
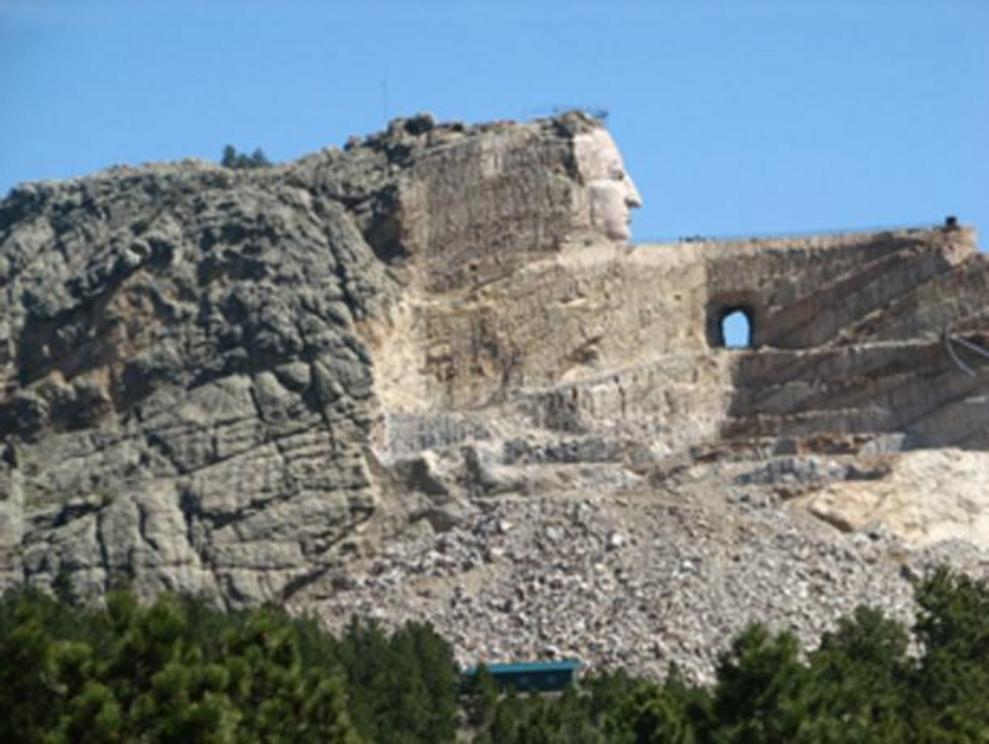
734, 117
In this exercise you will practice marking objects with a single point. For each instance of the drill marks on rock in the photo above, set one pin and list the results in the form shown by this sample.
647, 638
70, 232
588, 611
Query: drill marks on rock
363, 368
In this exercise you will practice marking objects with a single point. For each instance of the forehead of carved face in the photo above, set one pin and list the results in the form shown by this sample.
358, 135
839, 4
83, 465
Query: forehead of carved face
611, 193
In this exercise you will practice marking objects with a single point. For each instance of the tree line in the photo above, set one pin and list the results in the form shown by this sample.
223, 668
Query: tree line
231, 158
179, 670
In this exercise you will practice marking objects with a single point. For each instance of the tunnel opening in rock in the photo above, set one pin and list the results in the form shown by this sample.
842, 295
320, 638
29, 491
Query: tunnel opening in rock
735, 328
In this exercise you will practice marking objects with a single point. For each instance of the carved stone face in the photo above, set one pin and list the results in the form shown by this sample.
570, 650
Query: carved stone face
611, 193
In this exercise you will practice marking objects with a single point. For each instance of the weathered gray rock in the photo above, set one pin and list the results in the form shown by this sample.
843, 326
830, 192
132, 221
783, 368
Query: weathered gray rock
427, 377
187, 384
186, 394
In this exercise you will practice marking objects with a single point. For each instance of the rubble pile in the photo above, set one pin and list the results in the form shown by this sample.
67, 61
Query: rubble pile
638, 580
429, 376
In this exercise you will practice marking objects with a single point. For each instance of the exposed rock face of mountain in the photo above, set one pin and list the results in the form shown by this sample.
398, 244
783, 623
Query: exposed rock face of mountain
341, 382
187, 352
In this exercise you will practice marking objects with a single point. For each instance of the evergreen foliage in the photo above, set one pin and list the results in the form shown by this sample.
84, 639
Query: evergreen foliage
179, 670
860, 685
240, 160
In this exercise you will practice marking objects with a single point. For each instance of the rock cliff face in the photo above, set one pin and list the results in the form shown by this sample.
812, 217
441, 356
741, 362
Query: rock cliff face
335, 382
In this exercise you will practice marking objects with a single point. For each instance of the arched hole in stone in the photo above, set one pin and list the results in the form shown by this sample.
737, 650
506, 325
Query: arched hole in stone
736, 328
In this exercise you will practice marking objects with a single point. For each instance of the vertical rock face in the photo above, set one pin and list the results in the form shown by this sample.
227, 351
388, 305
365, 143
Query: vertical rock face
186, 383
185, 393
211, 380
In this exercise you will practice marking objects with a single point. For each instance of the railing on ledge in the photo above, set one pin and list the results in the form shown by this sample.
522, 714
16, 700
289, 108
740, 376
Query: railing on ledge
950, 223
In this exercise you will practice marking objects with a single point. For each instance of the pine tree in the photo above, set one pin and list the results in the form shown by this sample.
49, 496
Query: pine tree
239, 160
482, 698
859, 676
229, 159
28, 683
761, 689
951, 685
258, 159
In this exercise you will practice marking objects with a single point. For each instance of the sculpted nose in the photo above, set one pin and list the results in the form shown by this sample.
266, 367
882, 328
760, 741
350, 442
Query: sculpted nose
632, 198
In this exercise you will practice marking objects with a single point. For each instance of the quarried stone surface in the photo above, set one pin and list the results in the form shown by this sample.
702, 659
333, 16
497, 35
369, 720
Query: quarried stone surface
428, 377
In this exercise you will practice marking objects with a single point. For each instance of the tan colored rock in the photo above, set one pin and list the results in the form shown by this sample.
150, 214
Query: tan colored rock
252, 382
928, 496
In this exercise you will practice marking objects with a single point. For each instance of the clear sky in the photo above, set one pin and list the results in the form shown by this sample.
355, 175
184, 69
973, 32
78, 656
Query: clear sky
734, 117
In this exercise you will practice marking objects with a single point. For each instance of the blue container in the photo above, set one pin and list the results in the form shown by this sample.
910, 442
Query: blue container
536, 676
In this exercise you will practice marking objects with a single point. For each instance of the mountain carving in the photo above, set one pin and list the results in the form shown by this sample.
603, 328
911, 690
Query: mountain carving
429, 376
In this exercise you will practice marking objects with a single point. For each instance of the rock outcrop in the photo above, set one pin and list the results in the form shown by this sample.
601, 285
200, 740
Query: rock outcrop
335, 382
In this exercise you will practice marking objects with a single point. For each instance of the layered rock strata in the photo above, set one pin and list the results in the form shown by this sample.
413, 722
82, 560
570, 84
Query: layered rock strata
287, 383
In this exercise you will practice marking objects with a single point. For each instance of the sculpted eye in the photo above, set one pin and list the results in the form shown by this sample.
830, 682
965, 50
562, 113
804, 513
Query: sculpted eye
618, 175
